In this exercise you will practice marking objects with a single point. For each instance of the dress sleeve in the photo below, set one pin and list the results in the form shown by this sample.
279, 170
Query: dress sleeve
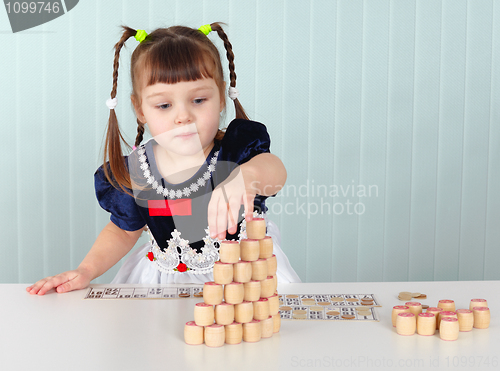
244, 140
123, 208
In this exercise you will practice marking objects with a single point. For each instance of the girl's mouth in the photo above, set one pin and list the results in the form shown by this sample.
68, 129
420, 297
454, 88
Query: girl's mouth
185, 135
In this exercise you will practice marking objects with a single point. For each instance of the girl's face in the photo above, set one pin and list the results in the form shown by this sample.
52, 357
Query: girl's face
183, 117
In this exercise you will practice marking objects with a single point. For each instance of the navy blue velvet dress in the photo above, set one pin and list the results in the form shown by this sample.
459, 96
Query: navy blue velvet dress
180, 249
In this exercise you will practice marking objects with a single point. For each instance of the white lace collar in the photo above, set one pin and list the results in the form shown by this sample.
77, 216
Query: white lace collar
172, 193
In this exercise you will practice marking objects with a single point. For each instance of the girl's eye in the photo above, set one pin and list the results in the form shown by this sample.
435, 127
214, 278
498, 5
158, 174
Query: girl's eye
199, 100
163, 106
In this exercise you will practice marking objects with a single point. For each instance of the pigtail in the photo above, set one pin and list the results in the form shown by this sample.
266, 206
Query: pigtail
140, 133
116, 173
240, 112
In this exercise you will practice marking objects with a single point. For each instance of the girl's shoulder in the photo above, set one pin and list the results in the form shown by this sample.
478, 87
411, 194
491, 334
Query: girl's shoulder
119, 202
244, 139
239, 127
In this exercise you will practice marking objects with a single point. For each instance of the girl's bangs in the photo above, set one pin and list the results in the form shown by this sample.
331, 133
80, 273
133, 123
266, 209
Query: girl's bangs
173, 62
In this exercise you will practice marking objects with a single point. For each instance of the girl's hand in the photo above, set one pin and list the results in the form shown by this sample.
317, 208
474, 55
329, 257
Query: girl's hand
227, 198
68, 281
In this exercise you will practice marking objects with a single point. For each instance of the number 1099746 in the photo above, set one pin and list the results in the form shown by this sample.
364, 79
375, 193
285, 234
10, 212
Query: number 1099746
33, 7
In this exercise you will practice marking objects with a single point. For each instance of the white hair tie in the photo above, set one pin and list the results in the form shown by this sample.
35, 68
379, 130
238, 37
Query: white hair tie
111, 103
233, 93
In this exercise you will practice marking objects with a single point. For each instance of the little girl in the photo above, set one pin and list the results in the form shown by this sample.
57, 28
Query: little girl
189, 186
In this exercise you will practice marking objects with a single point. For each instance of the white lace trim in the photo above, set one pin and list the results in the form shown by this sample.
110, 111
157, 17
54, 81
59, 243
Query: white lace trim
179, 251
171, 193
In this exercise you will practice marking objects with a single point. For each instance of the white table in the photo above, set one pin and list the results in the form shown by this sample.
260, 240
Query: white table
63, 332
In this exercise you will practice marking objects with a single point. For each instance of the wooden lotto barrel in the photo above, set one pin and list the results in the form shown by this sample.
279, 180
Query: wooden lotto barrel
212, 293
426, 324
193, 334
449, 328
481, 317
267, 327
229, 252
256, 229
234, 333
249, 249
465, 319
396, 310
223, 273
406, 324
215, 335
242, 271
266, 247
204, 314
252, 331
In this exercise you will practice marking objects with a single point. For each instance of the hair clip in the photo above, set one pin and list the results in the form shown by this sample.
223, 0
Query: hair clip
233, 93
111, 103
140, 35
206, 29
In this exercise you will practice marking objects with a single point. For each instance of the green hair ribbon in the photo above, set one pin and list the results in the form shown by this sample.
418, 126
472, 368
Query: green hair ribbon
206, 29
140, 35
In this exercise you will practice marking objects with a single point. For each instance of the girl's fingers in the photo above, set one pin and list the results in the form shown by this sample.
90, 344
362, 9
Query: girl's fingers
234, 209
50, 284
70, 285
248, 201
46, 287
43, 286
221, 223
212, 215
64, 282
35, 288
224, 207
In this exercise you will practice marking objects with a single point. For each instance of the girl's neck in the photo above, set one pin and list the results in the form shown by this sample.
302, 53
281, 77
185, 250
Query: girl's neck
175, 168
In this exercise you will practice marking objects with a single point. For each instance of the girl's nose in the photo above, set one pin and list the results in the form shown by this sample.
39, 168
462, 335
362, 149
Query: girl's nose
183, 115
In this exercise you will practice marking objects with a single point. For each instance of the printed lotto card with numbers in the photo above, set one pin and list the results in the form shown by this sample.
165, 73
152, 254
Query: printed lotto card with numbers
334, 307
154, 292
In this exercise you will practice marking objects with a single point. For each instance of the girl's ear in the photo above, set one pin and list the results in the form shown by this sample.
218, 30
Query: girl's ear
138, 110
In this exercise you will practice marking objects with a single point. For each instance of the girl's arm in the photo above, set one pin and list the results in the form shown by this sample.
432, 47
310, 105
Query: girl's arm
112, 244
268, 174
263, 175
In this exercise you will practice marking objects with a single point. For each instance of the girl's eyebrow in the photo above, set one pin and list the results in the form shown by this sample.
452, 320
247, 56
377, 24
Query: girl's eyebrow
156, 94
204, 87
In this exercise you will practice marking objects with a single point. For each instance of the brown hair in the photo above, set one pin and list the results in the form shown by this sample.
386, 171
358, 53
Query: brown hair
167, 55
